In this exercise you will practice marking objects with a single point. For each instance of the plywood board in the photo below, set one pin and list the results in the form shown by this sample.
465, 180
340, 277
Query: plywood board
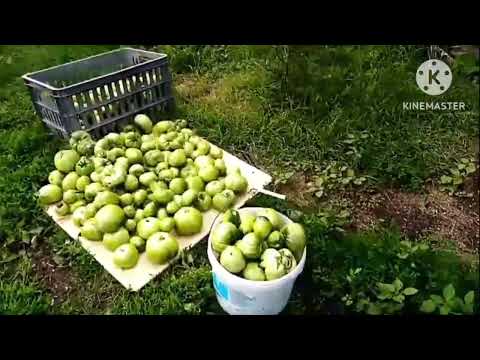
134, 279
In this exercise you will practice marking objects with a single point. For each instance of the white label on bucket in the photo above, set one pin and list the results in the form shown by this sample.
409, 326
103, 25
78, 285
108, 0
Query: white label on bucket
221, 288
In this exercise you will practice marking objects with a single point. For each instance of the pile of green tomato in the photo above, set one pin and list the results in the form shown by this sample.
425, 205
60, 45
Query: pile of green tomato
258, 248
133, 189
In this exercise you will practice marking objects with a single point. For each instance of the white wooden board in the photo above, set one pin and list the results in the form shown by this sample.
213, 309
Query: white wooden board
134, 279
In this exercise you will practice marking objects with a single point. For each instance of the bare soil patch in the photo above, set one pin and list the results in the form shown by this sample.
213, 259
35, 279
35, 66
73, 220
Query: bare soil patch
432, 213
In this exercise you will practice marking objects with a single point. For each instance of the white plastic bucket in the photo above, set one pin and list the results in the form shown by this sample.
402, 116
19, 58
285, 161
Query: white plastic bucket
239, 296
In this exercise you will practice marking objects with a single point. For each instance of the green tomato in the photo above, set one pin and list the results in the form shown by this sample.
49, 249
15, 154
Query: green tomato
189, 196
262, 227
162, 213
177, 143
114, 153
273, 216
49, 194
70, 181
114, 239
216, 152
178, 185
55, 178
172, 207
208, 173
161, 247
162, 127
131, 183
194, 139
147, 178
113, 138
163, 196
178, 199
204, 160
236, 182
90, 231
214, 187
140, 196
144, 123
126, 199
188, 148
125, 256
134, 156
148, 145
90, 211
203, 202
158, 185
161, 166
271, 261
82, 183
246, 223
188, 171
62, 209
221, 202
147, 227
295, 239
98, 162
147, 137
65, 160
131, 225
166, 174
85, 147
78, 215
76, 205
150, 209
232, 259
251, 246
138, 242
230, 195
177, 158
276, 240
122, 163
109, 218
136, 170
188, 221
195, 154
195, 183
153, 157
186, 132
171, 135
70, 196
91, 190
253, 272
232, 216
84, 166
166, 224
223, 235
132, 139
106, 197
203, 147
95, 177
138, 215
129, 211
288, 260
220, 165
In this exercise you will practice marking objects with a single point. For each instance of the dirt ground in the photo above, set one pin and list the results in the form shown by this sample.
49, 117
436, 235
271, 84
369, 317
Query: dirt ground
432, 213
56, 278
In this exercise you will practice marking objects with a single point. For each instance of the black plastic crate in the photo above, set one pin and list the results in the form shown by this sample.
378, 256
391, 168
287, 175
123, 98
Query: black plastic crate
100, 93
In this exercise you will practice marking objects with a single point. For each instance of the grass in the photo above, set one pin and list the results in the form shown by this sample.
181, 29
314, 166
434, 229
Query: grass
286, 109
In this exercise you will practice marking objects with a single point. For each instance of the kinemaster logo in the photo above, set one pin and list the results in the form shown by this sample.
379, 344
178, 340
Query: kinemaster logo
434, 77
